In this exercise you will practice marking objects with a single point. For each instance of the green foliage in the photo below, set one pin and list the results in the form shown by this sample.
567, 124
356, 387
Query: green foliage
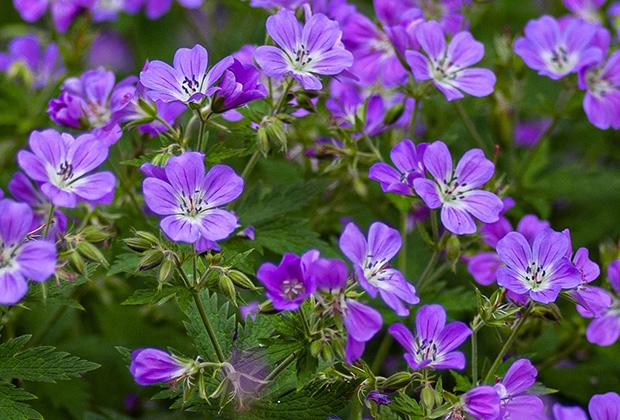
12, 403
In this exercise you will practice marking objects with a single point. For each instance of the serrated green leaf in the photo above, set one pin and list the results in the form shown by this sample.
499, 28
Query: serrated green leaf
219, 153
12, 404
290, 235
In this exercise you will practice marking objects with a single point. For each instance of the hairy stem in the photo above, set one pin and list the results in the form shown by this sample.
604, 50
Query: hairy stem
281, 366
210, 331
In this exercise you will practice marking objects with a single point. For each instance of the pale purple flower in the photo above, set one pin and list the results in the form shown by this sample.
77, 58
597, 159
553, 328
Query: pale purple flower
371, 262
407, 157
187, 80
456, 191
378, 398
21, 260
529, 133
516, 402
288, 284
94, 101
109, 49
63, 11
447, 12
190, 200
63, 165
449, 67
239, 85
481, 402
601, 407
305, 52
604, 330
593, 300
155, 9
588, 10
434, 340
250, 310
540, 270
44, 64
554, 50
150, 366
107, 10
602, 85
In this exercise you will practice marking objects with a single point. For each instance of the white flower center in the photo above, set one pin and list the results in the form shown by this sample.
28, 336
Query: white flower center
559, 60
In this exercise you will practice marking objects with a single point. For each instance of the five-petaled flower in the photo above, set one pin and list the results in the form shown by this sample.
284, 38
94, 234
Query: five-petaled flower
305, 51
434, 341
455, 191
288, 284
448, 67
409, 165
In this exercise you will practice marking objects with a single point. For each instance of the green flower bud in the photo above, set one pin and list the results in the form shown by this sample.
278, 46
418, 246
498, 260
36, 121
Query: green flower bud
91, 252
151, 259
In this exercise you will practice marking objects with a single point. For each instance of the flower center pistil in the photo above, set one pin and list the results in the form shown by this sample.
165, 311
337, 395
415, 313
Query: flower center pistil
7, 256
424, 349
292, 288
193, 205
373, 269
560, 60
301, 58
452, 190
535, 276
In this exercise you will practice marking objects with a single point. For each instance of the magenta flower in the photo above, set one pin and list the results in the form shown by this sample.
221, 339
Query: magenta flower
555, 50
455, 191
512, 390
305, 51
540, 270
188, 80
44, 64
63, 11
61, 164
409, 165
481, 402
150, 366
449, 67
190, 200
434, 341
288, 284
21, 259
601, 407
239, 85
604, 330
93, 101
371, 262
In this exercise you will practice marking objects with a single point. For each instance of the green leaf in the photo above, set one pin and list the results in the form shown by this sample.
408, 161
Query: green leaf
42, 364
154, 296
306, 366
290, 235
219, 153
540, 389
462, 382
12, 405
404, 404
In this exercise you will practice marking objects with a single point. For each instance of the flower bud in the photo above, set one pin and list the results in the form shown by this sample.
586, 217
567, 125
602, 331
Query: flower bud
453, 248
165, 270
228, 288
241, 280
95, 234
137, 244
428, 399
91, 252
393, 114
151, 259
150, 366
77, 262
147, 236
397, 380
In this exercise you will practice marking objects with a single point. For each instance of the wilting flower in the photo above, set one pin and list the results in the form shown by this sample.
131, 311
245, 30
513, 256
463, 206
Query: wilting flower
601, 407
481, 402
305, 51
555, 50
456, 191
540, 270
288, 284
602, 85
449, 67
408, 161
434, 341
21, 189
190, 199
63, 11
605, 329
239, 85
93, 101
512, 390
150, 366
188, 80
21, 259
585, 9
44, 64
371, 262
61, 164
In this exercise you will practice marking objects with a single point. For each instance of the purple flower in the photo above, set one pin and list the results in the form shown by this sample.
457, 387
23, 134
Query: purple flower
562, 412
601, 407
587, 10
239, 85
447, 12
593, 300
556, 51
63, 11
456, 191
150, 366
513, 389
378, 398
288, 284
45, 65
434, 341
602, 85
371, 264
529, 133
613, 12
21, 260
305, 51
409, 166
22, 189
540, 270
188, 80
110, 50
481, 402
93, 101
605, 329
448, 68
190, 199
61, 164
250, 310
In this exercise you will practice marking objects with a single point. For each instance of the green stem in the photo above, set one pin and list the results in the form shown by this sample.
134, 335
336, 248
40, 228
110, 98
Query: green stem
201, 132
251, 164
474, 352
210, 331
414, 118
506, 346
382, 352
402, 256
173, 132
427, 270
473, 131
281, 366
373, 148
48, 222
282, 100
